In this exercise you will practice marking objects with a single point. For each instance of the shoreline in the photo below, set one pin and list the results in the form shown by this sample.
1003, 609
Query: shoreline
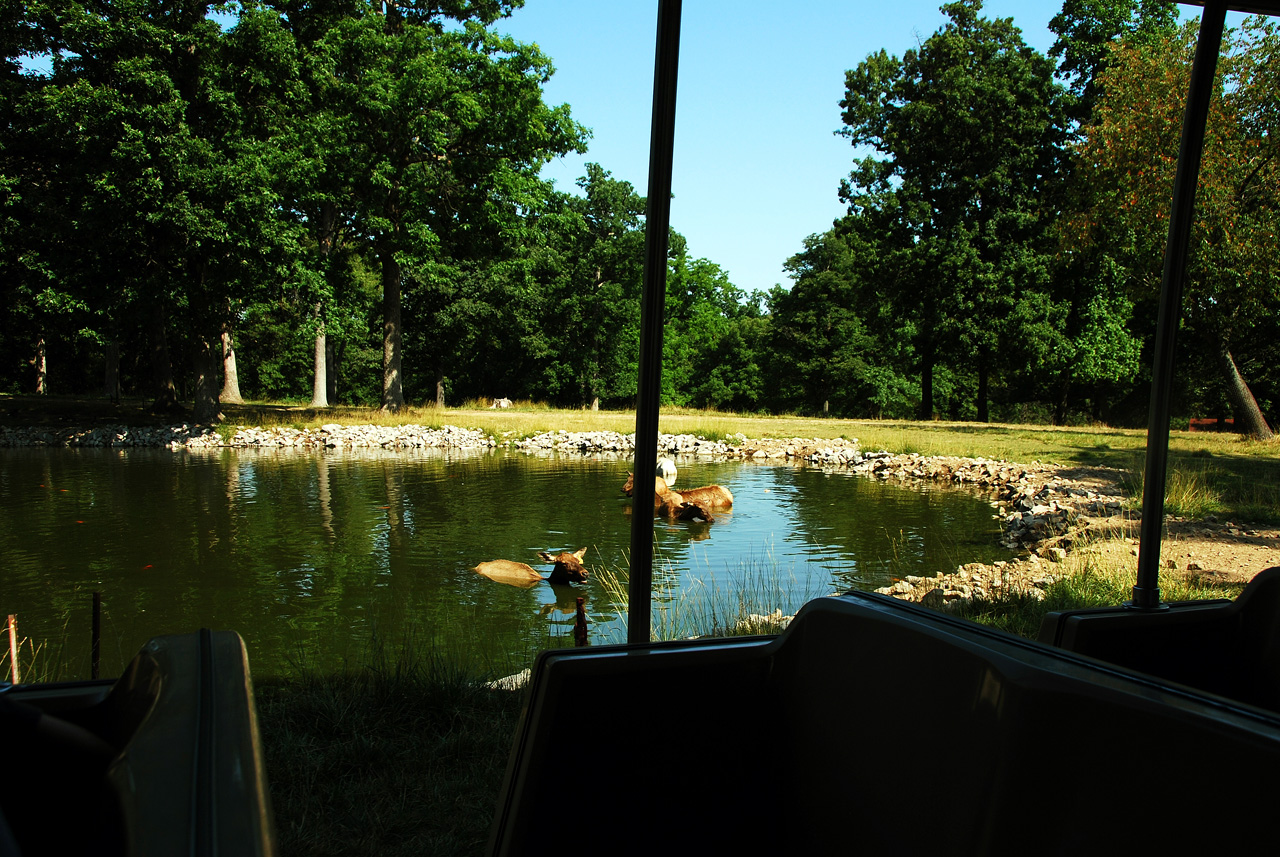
1045, 508
1048, 511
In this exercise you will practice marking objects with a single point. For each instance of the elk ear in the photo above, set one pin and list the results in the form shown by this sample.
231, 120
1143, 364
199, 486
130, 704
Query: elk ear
546, 556
580, 554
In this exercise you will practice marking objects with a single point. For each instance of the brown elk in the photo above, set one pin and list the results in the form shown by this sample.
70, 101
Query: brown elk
567, 568
675, 507
660, 489
708, 496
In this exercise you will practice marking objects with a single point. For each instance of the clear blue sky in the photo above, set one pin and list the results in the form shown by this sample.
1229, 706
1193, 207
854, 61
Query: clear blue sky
757, 166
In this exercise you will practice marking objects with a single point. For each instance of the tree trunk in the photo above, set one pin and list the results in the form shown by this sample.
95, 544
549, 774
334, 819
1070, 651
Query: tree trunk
161, 367
926, 383
392, 383
1062, 401
1249, 418
111, 373
984, 380
41, 362
331, 362
206, 392
595, 403
321, 393
591, 385
439, 387
230, 378
320, 382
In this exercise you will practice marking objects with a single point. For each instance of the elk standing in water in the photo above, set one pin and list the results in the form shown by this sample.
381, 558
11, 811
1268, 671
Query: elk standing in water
670, 503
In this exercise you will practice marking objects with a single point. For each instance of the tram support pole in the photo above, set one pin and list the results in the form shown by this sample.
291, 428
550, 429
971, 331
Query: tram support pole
1146, 592
657, 223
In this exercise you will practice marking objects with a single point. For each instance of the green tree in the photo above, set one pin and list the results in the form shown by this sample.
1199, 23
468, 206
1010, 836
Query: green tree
593, 266
1096, 355
969, 129
156, 185
47, 317
714, 332
835, 343
317, 157
448, 130
1125, 170
1086, 30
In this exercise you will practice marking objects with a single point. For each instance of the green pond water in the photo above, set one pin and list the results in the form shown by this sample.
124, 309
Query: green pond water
314, 558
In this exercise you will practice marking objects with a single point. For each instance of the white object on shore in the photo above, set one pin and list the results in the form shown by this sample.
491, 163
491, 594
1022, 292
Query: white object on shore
511, 682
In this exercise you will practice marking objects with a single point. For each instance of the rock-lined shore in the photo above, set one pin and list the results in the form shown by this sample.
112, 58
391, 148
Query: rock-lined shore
181, 436
1040, 507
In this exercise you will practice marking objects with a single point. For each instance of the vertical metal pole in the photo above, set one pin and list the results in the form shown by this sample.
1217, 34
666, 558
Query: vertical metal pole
657, 222
1146, 592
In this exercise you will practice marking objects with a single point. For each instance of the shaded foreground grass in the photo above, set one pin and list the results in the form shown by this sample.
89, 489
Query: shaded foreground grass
406, 755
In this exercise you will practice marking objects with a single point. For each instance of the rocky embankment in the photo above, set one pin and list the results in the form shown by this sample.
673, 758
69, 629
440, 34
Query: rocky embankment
1040, 505
181, 436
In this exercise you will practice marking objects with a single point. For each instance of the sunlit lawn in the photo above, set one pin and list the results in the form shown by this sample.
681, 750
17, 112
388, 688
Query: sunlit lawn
1211, 473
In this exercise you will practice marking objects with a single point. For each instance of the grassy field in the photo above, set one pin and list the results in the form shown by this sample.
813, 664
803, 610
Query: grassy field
403, 756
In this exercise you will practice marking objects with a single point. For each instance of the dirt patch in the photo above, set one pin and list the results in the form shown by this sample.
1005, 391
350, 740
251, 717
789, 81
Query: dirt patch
1207, 550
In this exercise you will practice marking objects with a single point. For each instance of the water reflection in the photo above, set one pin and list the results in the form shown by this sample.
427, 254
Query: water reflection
311, 556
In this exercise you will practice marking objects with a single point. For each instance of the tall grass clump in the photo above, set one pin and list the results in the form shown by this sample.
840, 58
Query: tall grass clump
44, 660
1257, 501
1189, 493
1241, 483
34, 664
756, 598
403, 755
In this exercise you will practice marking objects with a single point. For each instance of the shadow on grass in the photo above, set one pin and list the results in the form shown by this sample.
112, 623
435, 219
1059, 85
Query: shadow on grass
404, 756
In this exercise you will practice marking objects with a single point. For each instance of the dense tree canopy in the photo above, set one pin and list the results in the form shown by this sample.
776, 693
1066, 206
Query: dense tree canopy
345, 196
968, 129
322, 188
1086, 31
1125, 181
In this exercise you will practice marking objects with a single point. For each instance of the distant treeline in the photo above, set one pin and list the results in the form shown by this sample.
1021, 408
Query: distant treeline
340, 202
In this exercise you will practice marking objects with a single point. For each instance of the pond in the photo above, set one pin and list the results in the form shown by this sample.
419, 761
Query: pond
314, 557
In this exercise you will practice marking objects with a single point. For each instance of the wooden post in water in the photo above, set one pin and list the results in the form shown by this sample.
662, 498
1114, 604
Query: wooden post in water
96, 636
13, 647
580, 625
